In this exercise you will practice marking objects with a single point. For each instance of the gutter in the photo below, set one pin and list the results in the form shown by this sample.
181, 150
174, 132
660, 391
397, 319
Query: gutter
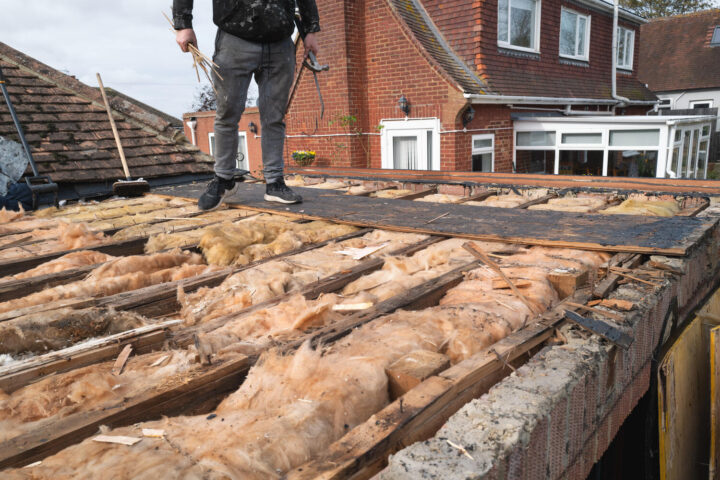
622, 101
608, 7
477, 98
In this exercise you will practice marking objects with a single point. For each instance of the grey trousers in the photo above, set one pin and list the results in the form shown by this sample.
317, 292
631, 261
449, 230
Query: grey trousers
273, 65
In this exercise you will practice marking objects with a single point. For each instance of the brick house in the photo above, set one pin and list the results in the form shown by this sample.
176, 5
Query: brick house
465, 70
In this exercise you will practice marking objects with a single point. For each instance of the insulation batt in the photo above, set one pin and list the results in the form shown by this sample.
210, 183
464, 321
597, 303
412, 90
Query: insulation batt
26, 223
571, 204
164, 241
62, 328
646, 207
67, 236
439, 198
295, 181
245, 242
394, 193
502, 201
139, 218
72, 260
288, 410
248, 333
84, 207
275, 278
7, 216
146, 230
104, 211
120, 275
85, 389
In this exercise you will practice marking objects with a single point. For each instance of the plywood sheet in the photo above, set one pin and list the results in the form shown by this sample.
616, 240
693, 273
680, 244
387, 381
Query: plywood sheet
620, 233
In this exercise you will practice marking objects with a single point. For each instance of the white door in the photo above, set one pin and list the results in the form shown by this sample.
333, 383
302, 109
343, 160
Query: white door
411, 144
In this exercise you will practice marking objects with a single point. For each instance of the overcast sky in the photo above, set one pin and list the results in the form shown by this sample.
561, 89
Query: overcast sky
128, 41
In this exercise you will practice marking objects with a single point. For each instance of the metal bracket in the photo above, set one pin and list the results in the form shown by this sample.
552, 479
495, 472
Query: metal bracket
612, 334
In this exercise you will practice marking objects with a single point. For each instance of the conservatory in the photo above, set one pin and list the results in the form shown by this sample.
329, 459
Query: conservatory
628, 146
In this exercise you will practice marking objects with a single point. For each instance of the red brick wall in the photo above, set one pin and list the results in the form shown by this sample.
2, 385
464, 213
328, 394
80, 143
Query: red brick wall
470, 26
205, 125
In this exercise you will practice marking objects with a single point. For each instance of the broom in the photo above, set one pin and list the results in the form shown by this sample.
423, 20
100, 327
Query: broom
127, 187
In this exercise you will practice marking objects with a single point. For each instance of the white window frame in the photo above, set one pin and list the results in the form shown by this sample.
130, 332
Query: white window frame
665, 106
484, 150
694, 102
242, 137
629, 48
586, 56
407, 128
536, 38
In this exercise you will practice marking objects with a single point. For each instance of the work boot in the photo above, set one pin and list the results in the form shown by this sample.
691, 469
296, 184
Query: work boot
281, 193
216, 191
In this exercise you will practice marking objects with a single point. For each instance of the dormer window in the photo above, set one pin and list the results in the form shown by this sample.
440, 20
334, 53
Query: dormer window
519, 24
715, 40
625, 48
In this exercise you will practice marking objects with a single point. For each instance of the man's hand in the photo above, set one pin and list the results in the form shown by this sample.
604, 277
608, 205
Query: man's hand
311, 44
184, 37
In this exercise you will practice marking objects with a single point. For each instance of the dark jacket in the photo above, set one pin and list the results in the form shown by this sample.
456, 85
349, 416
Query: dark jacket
263, 21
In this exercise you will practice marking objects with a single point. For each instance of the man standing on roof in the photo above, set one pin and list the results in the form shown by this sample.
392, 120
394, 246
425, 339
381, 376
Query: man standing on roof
253, 38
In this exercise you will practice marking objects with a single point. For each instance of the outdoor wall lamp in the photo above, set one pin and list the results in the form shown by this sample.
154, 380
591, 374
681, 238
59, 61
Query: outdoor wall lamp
468, 116
404, 105
252, 127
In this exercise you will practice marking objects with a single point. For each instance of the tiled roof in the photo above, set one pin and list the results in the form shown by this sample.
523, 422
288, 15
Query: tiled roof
66, 125
675, 52
418, 21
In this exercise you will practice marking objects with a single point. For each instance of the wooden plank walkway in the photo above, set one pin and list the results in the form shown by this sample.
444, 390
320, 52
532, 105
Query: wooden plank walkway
617, 233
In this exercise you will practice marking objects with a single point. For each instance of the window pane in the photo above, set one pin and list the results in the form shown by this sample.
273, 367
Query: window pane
623, 138
522, 23
581, 162
582, 21
212, 144
706, 130
685, 154
405, 153
482, 143
702, 159
693, 159
429, 151
632, 163
677, 135
535, 161
715, 40
242, 154
568, 34
535, 139
582, 138
621, 47
503, 20
675, 159
629, 45
482, 162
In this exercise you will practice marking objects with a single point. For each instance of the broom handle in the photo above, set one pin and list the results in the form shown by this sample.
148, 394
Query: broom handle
114, 128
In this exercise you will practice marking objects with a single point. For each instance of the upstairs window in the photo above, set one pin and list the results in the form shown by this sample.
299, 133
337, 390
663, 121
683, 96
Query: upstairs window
574, 35
701, 104
518, 24
665, 104
625, 48
715, 40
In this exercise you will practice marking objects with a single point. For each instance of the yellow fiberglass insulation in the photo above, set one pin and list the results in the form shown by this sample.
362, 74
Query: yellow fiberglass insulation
571, 204
646, 207
278, 277
146, 230
130, 275
85, 389
439, 198
248, 333
62, 328
7, 216
392, 193
64, 236
245, 242
289, 409
69, 261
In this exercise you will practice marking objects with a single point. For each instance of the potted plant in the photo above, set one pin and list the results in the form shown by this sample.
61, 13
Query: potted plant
304, 158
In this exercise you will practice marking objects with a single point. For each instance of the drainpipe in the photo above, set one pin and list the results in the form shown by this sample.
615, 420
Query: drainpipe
192, 123
622, 101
